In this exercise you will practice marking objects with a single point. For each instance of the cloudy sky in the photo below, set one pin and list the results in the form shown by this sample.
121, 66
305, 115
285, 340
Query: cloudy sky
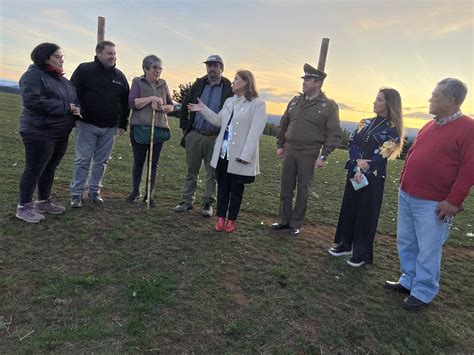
407, 45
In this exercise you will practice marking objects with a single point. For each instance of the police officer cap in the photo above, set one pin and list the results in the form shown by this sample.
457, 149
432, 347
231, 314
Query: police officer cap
310, 72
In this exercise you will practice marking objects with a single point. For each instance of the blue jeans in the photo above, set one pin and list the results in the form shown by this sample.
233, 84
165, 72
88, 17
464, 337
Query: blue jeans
42, 157
93, 147
420, 239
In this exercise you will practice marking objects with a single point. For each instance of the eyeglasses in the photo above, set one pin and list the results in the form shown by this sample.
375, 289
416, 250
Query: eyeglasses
156, 67
57, 56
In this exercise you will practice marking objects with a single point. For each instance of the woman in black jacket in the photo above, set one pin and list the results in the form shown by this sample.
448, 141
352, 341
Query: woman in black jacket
374, 142
49, 106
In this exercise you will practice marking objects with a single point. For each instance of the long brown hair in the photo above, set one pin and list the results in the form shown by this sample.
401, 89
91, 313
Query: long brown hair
251, 88
395, 115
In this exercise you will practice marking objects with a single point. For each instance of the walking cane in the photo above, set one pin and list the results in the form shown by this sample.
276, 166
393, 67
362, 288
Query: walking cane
150, 158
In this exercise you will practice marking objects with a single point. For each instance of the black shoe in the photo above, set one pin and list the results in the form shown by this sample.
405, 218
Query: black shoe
354, 262
280, 226
96, 198
293, 231
395, 286
76, 201
207, 210
152, 201
413, 304
133, 196
339, 250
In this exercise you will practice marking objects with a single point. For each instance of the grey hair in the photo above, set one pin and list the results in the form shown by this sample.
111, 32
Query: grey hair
149, 60
454, 89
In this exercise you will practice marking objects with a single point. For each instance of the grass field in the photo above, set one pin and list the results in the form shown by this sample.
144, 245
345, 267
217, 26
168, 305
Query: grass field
116, 278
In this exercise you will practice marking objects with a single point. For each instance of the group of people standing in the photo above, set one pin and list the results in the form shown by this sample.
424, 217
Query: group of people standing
222, 122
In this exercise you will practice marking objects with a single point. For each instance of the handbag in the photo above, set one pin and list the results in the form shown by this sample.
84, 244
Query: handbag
142, 134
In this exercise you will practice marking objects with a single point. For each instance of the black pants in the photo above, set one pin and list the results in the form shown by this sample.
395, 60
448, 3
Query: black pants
42, 157
139, 157
230, 190
359, 217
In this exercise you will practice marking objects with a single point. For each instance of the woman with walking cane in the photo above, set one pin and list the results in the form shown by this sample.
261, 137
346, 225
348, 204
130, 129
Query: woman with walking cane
150, 101
235, 157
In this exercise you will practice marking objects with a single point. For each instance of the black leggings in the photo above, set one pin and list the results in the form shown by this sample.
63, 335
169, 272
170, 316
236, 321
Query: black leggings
230, 190
139, 157
42, 157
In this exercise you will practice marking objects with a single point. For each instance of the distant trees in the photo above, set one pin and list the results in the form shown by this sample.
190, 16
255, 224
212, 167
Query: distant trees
270, 129
406, 146
180, 94
344, 139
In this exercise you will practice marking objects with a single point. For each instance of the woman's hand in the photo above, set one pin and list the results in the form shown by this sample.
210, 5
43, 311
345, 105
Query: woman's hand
155, 106
363, 163
358, 177
196, 107
168, 108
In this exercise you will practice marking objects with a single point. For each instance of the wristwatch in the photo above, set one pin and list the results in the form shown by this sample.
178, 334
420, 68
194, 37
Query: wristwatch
322, 157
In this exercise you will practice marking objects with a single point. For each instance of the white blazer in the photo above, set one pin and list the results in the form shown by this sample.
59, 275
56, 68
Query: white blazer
248, 121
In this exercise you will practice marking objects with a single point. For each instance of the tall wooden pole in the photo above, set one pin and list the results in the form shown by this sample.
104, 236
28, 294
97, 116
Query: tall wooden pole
323, 54
100, 29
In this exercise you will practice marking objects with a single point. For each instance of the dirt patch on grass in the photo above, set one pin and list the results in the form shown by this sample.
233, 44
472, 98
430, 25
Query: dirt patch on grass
232, 285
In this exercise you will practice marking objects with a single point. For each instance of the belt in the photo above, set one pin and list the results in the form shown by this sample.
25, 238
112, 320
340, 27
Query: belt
205, 133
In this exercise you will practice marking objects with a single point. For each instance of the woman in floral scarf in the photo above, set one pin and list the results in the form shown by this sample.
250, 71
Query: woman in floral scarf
374, 142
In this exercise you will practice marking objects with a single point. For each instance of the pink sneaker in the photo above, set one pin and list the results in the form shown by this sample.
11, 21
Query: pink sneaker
28, 213
47, 206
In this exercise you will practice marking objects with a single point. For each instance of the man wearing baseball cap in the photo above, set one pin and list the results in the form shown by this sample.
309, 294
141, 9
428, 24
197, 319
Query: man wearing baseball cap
309, 131
199, 135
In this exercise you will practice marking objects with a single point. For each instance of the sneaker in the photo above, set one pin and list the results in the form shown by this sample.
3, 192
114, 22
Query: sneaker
355, 262
339, 250
47, 206
76, 201
96, 198
133, 196
183, 206
207, 210
28, 213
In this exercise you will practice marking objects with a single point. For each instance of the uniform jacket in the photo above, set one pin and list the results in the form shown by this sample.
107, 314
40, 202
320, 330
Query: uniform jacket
186, 118
309, 124
143, 116
103, 94
374, 139
46, 98
248, 120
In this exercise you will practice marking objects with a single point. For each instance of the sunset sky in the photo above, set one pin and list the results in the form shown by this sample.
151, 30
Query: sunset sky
407, 45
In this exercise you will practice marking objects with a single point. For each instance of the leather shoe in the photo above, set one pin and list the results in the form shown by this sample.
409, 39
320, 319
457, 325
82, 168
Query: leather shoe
293, 231
413, 304
395, 286
219, 227
280, 226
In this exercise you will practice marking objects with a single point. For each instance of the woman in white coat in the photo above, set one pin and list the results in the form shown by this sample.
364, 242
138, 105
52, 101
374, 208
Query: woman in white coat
235, 158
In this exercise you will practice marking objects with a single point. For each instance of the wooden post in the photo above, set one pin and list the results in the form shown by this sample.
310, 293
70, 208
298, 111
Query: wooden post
323, 53
100, 29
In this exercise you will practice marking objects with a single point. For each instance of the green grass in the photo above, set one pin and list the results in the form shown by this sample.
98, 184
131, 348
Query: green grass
117, 278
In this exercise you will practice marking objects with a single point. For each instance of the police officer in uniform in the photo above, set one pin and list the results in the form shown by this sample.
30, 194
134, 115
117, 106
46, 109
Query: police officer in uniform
309, 131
